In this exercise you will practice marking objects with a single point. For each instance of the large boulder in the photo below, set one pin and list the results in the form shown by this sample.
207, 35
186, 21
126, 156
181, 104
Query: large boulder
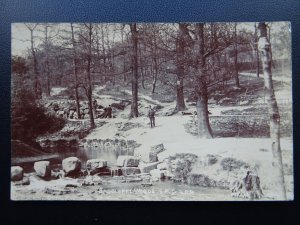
95, 165
150, 155
127, 161
247, 187
157, 174
147, 167
71, 166
16, 173
181, 164
42, 169
200, 180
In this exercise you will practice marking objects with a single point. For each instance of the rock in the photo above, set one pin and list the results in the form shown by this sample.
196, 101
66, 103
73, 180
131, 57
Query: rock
71, 166
127, 161
24, 181
92, 181
150, 155
130, 170
71, 186
42, 169
148, 184
156, 173
232, 164
181, 164
95, 165
57, 191
211, 159
167, 173
57, 173
200, 179
131, 180
104, 171
16, 173
162, 166
147, 167
162, 156
247, 187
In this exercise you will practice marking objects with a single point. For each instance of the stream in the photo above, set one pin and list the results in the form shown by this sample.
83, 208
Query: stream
112, 188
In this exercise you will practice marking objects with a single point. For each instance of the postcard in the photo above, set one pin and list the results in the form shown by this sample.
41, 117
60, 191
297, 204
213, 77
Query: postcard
187, 111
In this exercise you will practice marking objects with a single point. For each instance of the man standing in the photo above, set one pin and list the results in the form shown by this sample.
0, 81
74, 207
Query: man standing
109, 112
151, 115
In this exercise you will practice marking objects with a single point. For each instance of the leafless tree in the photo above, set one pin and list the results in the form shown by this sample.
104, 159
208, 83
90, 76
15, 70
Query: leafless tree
134, 39
37, 86
264, 47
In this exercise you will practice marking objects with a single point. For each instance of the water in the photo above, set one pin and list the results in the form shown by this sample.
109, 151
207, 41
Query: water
93, 149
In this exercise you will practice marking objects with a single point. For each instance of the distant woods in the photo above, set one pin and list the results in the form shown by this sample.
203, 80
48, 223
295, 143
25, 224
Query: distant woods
192, 59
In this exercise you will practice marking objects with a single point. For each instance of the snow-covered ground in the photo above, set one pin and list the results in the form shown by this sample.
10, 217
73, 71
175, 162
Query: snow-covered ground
57, 90
170, 131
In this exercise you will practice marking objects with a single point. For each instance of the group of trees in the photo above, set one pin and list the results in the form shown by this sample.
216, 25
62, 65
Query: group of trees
29, 119
184, 56
189, 57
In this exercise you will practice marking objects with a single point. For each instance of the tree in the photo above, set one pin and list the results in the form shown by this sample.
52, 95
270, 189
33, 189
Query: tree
264, 47
134, 57
88, 73
180, 64
204, 129
75, 62
29, 119
46, 47
256, 50
236, 71
37, 85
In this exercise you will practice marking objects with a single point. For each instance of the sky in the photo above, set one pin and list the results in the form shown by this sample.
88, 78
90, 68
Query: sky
20, 35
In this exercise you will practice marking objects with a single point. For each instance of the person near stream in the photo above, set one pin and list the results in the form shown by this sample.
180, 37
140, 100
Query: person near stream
108, 112
151, 115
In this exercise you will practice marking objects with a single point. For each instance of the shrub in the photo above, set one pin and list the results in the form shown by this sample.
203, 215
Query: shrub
30, 120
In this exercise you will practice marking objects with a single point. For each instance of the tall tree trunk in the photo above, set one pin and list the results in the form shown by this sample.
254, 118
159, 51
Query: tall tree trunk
134, 38
124, 69
180, 105
89, 85
48, 86
264, 47
256, 51
143, 71
142, 65
46, 44
75, 73
37, 86
204, 129
236, 71
154, 80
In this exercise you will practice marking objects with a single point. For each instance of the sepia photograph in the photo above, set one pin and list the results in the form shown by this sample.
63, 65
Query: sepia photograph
186, 111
